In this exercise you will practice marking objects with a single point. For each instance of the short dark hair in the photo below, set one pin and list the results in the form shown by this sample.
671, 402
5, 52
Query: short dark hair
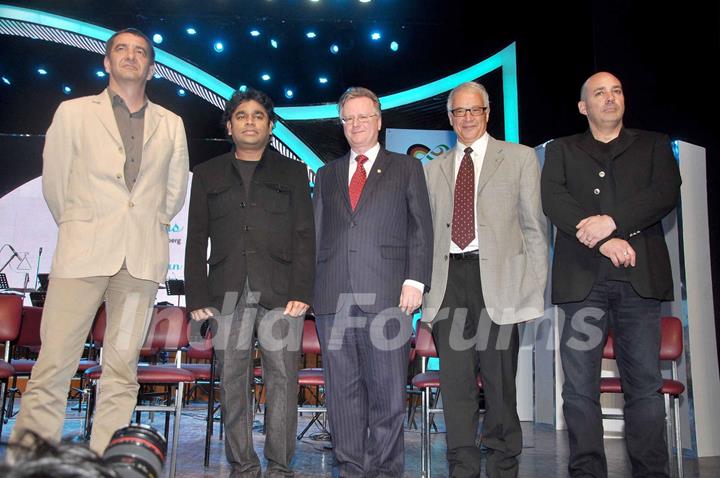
241, 96
132, 31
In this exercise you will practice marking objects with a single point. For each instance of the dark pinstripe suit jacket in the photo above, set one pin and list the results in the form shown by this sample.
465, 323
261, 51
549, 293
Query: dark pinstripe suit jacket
374, 249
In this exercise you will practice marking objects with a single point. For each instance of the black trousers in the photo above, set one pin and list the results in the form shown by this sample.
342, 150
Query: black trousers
468, 342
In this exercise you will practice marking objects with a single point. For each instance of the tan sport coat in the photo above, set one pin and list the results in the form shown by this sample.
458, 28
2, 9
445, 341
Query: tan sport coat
512, 232
100, 222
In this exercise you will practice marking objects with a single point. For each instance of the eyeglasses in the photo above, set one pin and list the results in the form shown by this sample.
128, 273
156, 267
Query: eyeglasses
358, 118
475, 111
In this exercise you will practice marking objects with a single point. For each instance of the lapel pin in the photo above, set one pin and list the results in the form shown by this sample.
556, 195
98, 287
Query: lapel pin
379, 171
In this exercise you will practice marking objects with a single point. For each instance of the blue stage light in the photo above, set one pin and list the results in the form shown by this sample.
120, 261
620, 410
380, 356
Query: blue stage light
322, 80
273, 43
255, 33
311, 34
242, 88
265, 77
6, 80
42, 71
190, 31
375, 35
289, 93
394, 46
67, 90
181, 92
334, 49
100, 74
218, 46
157, 38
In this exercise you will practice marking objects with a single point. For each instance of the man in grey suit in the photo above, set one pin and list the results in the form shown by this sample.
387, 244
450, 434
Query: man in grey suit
489, 273
374, 240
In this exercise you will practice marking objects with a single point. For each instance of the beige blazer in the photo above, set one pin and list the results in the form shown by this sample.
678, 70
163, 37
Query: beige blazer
512, 232
100, 222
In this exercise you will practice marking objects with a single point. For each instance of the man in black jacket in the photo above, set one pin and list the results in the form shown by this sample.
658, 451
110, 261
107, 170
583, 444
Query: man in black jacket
254, 205
607, 191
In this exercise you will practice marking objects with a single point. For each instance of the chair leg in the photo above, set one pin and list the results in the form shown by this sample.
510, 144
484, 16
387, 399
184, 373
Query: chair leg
678, 436
210, 411
176, 428
4, 402
668, 427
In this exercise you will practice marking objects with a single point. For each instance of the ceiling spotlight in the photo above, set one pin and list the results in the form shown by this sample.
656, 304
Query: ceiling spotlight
190, 31
255, 33
289, 93
42, 71
157, 38
273, 43
311, 34
242, 88
334, 49
6, 80
218, 46
322, 80
375, 36
364, 1
100, 74
265, 77
394, 46
67, 90
181, 92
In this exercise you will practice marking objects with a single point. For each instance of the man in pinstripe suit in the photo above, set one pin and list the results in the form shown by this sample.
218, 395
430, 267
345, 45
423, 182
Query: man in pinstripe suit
374, 246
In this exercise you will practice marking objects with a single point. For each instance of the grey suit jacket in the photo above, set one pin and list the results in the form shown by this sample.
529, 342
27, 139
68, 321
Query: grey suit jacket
512, 232
372, 250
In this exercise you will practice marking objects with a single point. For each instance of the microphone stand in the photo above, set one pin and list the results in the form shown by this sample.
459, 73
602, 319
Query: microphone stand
37, 269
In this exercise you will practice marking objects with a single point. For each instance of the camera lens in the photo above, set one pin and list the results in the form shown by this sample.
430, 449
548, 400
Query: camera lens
136, 451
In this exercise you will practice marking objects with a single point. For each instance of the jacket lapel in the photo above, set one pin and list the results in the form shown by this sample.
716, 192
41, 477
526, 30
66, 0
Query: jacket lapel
341, 174
375, 175
153, 116
447, 167
493, 157
106, 116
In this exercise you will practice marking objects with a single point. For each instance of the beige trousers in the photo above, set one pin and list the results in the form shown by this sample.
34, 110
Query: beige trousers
70, 307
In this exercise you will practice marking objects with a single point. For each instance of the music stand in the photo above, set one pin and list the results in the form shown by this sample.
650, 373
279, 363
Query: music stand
175, 287
43, 278
3, 281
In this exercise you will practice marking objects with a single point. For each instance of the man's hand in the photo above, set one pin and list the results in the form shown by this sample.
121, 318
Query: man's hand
201, 314
410, 299
619, 251
295, 308
593, 229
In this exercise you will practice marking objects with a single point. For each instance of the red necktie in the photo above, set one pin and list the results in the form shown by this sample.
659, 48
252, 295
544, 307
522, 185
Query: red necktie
463, 220
358, 181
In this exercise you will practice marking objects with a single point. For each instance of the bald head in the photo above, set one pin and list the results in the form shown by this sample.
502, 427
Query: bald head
603, 103
594, 79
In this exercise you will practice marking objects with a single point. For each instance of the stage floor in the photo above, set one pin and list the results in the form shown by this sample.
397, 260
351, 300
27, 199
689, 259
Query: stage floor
544, 452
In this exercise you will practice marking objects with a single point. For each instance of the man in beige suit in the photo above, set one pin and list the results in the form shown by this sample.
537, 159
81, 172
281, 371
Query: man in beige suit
489, 273
115, 170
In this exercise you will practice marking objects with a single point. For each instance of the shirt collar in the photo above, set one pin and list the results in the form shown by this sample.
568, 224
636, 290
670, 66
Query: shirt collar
117, 101
478, 146
370, 153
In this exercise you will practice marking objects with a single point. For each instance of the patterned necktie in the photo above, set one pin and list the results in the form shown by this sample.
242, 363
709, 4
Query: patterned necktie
358, 181
463, 220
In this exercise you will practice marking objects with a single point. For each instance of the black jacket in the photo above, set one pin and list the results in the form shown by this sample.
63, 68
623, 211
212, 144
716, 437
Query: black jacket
647, 186
268, 238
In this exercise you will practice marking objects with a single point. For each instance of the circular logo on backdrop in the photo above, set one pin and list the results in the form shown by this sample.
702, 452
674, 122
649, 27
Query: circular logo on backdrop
418, 151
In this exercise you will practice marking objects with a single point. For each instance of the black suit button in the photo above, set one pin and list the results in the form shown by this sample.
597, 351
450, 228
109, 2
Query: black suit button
242, 204
448, 224
352, 224
596, 191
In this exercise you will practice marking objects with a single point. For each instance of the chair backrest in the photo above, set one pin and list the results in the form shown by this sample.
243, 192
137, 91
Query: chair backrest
29, 335
201, 350
10, 316
168, 329
97, 332
671, 340
424, 344
310, 340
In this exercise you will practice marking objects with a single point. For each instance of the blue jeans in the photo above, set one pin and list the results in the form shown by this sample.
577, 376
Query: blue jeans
635, 323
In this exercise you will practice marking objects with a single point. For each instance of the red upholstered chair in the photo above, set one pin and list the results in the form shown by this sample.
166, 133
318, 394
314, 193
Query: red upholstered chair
426, 381
167, 332
311, 378
10, 318
671, 348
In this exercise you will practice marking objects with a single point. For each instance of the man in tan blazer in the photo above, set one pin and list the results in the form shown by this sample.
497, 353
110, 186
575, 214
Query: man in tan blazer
115, 170
489, 270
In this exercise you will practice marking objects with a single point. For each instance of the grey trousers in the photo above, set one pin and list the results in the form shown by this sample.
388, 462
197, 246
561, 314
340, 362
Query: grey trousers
279, 339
